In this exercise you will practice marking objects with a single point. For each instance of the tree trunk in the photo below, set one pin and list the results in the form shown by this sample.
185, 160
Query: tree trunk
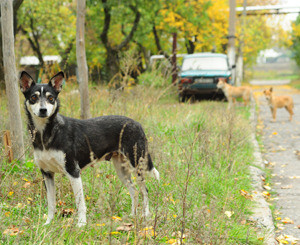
231, 36
11, 80
112, 59
81, 60
16, 6
112, 63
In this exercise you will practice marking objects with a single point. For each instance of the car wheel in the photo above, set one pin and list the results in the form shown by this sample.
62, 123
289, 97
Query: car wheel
182, 98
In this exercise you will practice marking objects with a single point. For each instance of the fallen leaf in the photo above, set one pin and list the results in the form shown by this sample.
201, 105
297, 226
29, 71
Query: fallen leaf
274, 133
67, 212
246, 194
12, 231
100, 224
266, 187
115, 233
291, 239
287, 221
281, 240
266, 194
125, 227
61, 203
229, 213
171, 241
286, 187
147, 232
116, 218
26, 185
26, 220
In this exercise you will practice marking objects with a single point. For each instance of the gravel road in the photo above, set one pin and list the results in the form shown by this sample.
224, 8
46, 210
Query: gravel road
281, 152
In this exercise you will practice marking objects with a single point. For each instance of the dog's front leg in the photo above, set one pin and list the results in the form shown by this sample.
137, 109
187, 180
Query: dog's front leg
50, 188
76, 184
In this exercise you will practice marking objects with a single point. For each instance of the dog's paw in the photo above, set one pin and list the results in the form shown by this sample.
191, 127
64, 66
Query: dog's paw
47, 222
81, 224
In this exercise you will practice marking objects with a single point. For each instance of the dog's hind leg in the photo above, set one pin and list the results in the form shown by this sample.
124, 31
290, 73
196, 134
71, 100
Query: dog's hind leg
76, 184
144, 191
124, 174
50, 188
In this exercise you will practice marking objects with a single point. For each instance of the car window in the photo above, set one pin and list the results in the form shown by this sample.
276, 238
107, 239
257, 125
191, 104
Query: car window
205, 63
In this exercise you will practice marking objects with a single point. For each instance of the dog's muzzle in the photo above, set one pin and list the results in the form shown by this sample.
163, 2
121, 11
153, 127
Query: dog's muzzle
43, 112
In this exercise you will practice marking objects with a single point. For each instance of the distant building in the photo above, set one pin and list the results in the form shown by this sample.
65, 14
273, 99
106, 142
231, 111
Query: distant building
31, 64
272, 56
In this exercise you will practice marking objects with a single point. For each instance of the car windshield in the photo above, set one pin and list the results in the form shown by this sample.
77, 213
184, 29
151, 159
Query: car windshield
205, 63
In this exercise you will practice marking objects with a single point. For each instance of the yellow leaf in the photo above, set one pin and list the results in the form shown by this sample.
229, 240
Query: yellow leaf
229, 213
116, 218
266, 194
100, 224
274, 133
287, 221
171, 241
114, 233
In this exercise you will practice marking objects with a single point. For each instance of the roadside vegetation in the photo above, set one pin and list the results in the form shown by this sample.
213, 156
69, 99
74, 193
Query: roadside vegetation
201, 151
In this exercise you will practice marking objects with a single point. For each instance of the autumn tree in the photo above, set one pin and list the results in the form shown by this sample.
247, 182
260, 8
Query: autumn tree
113, 47
49, 28
295, 47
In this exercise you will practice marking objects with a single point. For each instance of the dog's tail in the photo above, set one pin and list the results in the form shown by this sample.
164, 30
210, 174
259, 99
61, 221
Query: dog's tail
152, 170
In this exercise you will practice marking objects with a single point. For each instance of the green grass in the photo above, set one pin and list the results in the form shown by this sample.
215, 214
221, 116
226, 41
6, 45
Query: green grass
201, 151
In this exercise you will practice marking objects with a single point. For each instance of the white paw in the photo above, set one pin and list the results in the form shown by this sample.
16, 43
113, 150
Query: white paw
47, 222
81, 224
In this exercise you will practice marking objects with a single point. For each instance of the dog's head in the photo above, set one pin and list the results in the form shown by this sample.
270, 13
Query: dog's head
268, 93
41, 99
221, 83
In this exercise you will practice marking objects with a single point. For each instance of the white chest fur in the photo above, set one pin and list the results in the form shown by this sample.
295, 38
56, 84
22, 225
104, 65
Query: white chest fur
50, 160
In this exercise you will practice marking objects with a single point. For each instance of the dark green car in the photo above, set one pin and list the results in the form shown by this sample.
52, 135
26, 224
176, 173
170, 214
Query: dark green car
200, 74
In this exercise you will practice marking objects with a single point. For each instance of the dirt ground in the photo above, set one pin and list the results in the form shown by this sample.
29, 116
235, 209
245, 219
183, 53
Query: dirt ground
281, 140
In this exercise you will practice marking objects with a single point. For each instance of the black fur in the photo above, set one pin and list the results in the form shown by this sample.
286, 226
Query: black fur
78, 138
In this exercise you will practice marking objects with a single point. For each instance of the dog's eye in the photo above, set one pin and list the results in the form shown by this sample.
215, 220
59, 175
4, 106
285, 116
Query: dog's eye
33, 98
50, 98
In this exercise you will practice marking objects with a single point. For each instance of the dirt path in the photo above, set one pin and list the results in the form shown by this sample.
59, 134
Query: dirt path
281, 141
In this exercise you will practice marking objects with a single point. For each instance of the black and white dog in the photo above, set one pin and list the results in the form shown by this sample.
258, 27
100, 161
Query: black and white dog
67, 145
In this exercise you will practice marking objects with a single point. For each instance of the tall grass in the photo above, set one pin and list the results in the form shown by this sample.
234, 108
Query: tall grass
201, 150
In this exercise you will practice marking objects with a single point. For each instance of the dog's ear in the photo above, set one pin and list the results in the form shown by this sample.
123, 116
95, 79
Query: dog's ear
26, 81
57, 81
271, 89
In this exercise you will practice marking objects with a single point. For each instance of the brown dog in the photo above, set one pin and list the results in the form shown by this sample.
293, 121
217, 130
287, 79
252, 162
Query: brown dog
279, 102
232, 92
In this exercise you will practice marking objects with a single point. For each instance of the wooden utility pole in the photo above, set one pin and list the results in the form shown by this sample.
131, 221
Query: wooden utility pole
231, 36
240, 62
174, 60
11, 79
81, 60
